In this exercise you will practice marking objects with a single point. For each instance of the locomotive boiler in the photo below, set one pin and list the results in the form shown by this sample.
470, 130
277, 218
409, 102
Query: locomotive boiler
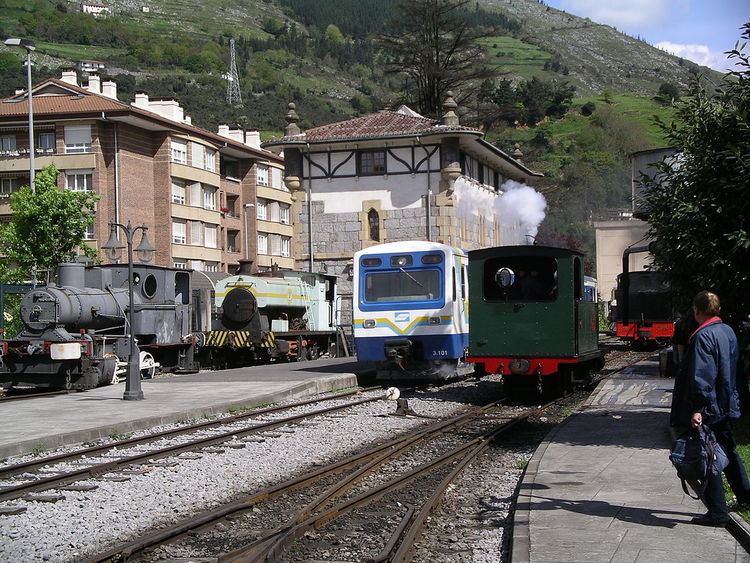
76, 332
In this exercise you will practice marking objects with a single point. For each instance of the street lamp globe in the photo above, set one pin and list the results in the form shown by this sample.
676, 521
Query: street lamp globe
145, 250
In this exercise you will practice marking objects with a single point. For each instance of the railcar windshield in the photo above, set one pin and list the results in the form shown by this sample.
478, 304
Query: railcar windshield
402, 285
520, 278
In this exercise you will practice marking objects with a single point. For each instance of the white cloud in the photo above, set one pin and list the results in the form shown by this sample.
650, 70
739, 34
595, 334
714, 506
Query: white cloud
699, 54
623, 14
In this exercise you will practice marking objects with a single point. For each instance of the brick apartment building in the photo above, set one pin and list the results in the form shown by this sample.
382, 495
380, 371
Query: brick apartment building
209, 199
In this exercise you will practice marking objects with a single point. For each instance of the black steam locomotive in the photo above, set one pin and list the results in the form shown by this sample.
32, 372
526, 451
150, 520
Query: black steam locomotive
77, 335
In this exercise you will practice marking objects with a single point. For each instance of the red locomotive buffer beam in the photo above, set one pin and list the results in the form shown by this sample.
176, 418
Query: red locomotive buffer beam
522, 366
645, 331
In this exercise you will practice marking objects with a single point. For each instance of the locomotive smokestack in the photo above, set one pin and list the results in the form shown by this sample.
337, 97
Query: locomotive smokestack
71, 274
245, 267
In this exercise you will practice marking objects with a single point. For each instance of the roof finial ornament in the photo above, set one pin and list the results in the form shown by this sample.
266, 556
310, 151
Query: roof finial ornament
449, 105
292, 118
517, 154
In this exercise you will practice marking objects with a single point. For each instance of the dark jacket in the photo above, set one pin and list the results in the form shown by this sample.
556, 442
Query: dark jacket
712, 373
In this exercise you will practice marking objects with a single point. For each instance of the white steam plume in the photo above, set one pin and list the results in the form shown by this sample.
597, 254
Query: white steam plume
523, 208
518, 211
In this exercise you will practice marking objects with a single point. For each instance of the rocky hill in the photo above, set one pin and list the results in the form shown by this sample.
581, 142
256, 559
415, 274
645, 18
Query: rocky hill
597, 56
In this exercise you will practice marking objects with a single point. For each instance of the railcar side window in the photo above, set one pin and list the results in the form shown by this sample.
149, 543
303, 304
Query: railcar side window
534, 278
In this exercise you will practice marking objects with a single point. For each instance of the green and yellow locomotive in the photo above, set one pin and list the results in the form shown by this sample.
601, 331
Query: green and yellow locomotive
532, 321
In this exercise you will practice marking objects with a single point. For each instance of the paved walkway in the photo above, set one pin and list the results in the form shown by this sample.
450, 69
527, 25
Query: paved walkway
601, 487
48, 422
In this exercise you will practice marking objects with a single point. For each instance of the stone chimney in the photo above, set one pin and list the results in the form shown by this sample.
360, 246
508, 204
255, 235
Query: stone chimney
70, 77
20, 91
141, 100
292, 118
94, 86
223, 131
109, 89
252, 138
450, 119
188, 120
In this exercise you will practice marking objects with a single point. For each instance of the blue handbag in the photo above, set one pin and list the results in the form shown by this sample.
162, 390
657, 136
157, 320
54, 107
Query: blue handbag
695, 453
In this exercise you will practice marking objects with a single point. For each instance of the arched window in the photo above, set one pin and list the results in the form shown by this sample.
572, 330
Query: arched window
373, 222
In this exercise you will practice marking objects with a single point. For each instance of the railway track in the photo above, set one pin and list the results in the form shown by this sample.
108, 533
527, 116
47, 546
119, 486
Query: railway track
106, 465
326, 496
271, 521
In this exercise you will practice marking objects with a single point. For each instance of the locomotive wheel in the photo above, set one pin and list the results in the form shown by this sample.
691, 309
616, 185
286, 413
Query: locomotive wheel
148, 365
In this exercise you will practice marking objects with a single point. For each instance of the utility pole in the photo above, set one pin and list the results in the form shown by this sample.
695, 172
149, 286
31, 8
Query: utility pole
234, 96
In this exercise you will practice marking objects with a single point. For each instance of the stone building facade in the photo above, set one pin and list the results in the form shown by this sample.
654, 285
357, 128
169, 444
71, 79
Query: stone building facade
197, 191
391, 176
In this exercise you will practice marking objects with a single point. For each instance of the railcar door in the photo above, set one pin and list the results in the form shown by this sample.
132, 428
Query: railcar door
461, 296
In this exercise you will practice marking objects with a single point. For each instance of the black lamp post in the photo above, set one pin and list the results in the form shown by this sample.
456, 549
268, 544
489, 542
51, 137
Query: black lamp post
29, 46
133, 391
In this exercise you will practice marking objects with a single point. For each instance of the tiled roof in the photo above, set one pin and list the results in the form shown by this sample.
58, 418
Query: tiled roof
376, 125
70, 99
54, 105
78, 101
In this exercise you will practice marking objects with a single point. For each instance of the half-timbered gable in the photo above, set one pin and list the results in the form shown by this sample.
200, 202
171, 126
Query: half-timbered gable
390, 176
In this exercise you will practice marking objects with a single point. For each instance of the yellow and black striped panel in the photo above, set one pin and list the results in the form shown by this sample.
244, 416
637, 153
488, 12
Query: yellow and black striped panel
238, 339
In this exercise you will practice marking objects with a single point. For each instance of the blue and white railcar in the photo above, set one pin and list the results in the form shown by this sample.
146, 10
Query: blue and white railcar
411, 309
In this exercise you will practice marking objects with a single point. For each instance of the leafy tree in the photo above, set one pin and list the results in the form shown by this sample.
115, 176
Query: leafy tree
47, 226
588, 108
700, 207
334, 35
668, 92
432, 44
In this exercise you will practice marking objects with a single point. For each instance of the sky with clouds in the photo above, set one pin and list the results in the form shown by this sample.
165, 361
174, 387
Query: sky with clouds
697, 30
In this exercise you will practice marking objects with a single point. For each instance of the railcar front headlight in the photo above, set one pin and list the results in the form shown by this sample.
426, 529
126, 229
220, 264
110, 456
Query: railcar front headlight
434, 320
368, 323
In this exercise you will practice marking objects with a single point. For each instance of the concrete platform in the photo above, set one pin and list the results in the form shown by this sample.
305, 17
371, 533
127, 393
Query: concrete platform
601, 487
47, 422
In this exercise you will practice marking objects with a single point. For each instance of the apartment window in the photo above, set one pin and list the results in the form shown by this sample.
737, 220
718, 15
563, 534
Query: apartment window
286, 246
179, 229
77, 138
78, 180
210, 236
275, 245
370, 163
262, 243
179, 151
196, 194
46, 142
180, 264
8, 143
210, 160
209, 198
211, 267
232, 241
261, 209
230, 168
196, 233
284, 214
178, 192
232, 206
89, 234
199, 155
8, 186
273, 211
276, 179
262, 175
